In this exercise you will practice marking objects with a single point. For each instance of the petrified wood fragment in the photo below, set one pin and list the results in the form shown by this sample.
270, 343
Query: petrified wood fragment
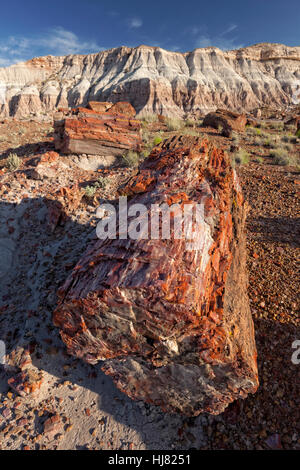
228, 121
172, 323
95, 133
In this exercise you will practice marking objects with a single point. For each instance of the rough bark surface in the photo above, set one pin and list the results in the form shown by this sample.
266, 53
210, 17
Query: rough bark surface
97, 133
172, 324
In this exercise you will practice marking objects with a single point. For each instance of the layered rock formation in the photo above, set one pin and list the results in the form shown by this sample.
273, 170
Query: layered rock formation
169, 314
154, 80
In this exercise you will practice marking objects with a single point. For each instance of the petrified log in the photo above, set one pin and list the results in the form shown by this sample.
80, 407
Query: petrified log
93, 133
228, 121
171, 320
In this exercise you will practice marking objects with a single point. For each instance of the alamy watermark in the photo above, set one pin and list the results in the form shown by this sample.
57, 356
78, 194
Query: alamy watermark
2, 352
160, 221
296, 353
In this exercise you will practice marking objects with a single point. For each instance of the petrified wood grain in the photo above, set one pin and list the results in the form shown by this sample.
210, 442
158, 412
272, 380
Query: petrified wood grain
95, 133
173, 325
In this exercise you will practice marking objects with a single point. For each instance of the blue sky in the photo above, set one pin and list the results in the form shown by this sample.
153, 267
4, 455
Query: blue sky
59, 27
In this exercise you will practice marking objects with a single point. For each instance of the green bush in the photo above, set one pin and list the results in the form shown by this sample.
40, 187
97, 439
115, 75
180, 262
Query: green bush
90, 191
157, 140
101, 183
241, 157
13, 162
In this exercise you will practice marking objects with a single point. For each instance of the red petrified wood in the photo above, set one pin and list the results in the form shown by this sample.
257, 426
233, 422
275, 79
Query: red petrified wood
172, 323
97, 133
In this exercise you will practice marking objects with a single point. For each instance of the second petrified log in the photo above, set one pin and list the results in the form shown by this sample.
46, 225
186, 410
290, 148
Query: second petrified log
227, 121
171, 322
97, 133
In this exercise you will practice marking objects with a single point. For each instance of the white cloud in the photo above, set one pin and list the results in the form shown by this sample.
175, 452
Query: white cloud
135, 22
230, 28
57, 41
220, 41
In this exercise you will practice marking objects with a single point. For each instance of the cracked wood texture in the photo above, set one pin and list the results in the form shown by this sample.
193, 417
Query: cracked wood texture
173, 326
98, 133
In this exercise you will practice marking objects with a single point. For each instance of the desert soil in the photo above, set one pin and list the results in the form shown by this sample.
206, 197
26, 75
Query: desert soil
87, 410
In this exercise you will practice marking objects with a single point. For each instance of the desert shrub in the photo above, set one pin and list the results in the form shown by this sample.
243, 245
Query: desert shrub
157, 140
189, 131
150, 142
298, 133
276, 125
241, 157
281, 157
174, 124
101, 183
258, 141
13, 162
254, 131
90, 191
268, 143
235, 138
250, 130
287, 138
131, 159
288, 147
148, 118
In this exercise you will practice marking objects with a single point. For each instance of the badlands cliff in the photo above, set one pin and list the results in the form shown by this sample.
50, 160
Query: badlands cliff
155, 80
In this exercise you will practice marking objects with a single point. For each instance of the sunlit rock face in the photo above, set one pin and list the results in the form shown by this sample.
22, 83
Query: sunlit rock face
169, 316
154, 80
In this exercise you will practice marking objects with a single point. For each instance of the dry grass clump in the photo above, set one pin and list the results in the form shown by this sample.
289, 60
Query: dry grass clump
241, 157
276, 125
281, 156
174, 124
131, 158
13, 162
148, 118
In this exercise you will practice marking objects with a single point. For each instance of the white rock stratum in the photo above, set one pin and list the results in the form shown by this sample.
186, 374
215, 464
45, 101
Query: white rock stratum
155, 80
